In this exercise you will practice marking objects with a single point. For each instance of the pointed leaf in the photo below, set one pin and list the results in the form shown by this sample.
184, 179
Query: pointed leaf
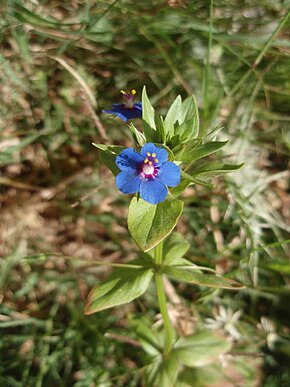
152, 340
200, 349
138, 137
215, 169
195, 180
151, 134
176, 191
114, 149
149, 224
175, 246
174, 114
188, 130
202, 151
108, 155
147, 110
121, 287
163, 371
193, 277
190, 108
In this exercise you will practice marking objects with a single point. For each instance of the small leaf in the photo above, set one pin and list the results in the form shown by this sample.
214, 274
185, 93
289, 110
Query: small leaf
151, 134
280, 267
188, 130
174, 114
160, 129
138, 137
186, 147
163, 371
108, 156
176, 191
195, 180
202, 151
114, 149
175, 246
200, 349
152, 340
190, 109
149, 224
215, 169
147, 110
121, 287
193, 277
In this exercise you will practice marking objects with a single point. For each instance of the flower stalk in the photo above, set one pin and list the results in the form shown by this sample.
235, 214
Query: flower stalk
169, 330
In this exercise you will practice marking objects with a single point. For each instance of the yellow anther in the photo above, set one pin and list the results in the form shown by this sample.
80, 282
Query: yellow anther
133, 92
123, 92
150, 163
153, 154
156, 160
148, 154
146, 160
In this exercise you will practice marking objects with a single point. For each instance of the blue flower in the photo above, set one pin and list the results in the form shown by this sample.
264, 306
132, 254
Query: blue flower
128, 109
147, 172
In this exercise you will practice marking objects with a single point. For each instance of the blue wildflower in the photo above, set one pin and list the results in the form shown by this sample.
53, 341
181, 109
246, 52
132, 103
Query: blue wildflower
128, 109
147, 172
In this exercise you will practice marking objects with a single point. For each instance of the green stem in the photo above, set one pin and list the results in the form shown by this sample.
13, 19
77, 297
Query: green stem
169, 332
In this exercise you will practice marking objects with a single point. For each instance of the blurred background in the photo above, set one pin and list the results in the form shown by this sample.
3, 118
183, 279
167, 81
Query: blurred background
61, 63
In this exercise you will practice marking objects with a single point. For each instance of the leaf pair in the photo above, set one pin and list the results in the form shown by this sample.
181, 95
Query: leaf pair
198, 350
131, 281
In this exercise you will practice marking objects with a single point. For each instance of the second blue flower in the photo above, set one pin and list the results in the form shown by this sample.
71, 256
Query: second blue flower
148, 172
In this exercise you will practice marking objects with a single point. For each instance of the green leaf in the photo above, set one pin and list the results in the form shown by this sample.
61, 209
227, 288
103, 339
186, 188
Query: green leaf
122, 286
108, 156
163, 371
152, 340
195, 180
202, 151
200, 349
190, 275
138, 137
188, 130
114, 149
184, 183
190, 109
152, 135
160, 129
201, 376
149, 224
215, 169
174, 114
280, 267
147, 109
184, 148
175, 246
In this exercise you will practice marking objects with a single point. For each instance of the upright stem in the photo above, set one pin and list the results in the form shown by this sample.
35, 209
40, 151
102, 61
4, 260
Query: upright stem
169, 332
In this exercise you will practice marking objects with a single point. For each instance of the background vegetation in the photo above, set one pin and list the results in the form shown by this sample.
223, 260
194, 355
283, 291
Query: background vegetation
61, 63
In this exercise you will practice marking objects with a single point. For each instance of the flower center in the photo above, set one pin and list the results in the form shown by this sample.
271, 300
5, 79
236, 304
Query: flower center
128, 97
149, 168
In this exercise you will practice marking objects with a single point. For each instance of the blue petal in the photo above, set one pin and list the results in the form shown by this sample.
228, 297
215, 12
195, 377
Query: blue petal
129, 160
119, 109
138, 105
161, 153
153, 191
127, 182
169, 174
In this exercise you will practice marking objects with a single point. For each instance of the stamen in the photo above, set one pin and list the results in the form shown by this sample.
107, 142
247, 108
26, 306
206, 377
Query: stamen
133, 92
156, 160
148, 154
150, 163
146, 160
153, 154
